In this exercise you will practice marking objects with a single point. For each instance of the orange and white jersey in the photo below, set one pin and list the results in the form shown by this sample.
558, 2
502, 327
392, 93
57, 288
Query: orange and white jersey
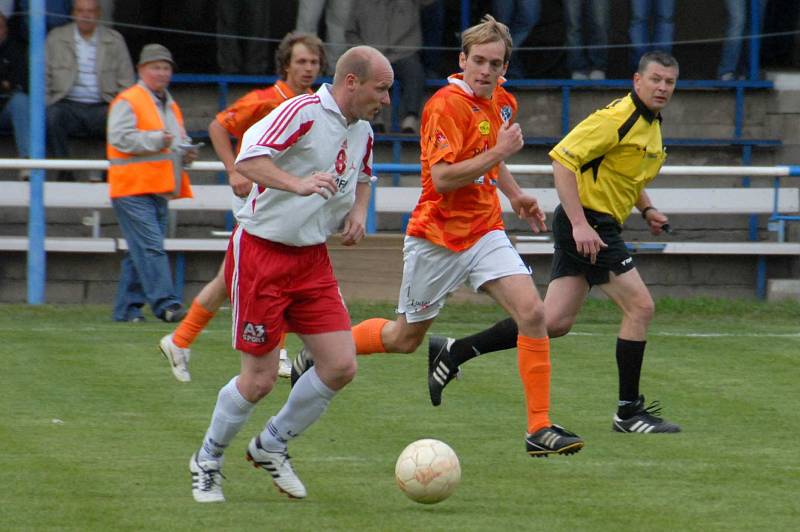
456, 126
305, 134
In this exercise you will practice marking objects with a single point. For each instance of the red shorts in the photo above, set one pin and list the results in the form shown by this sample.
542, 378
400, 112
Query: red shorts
276, 288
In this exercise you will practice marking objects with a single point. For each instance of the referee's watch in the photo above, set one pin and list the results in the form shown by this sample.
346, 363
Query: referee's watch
648, 208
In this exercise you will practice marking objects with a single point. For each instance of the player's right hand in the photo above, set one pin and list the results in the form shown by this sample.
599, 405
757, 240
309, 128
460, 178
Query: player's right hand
240, 184
321, 183
509, 139
588, 242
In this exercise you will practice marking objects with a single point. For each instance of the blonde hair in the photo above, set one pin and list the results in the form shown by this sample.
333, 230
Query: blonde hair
488, 30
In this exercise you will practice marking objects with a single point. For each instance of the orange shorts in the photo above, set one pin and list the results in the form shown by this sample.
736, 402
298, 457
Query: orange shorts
275, 288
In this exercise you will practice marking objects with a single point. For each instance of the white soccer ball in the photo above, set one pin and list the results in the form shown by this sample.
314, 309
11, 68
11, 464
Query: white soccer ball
427, 471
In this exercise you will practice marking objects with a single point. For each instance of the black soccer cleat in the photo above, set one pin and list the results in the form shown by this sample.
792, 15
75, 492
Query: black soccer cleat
302, 363
441, 369
552, 440
635, 417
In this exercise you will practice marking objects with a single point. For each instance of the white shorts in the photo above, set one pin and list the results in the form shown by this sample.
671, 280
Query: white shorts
431, 272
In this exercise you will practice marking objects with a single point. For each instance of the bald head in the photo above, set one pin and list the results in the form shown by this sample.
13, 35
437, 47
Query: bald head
361, 61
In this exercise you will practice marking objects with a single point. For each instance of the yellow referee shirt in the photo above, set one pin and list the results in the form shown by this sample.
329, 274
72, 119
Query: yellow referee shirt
614, 153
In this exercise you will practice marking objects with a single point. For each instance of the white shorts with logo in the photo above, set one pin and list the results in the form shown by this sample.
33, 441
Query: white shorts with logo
431, 272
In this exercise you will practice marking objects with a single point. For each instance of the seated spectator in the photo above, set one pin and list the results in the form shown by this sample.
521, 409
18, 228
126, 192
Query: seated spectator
393, 27
148, 149
337, 14
520, 16
14, 90
248, 19
87, 66
587, 63
661, 13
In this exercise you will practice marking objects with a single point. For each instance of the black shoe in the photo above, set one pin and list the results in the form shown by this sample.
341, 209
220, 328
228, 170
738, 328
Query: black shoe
174, 313
552, 440
302, 363
441, 369
636, 418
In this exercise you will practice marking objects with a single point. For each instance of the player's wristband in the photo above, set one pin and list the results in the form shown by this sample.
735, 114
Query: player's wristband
644, 211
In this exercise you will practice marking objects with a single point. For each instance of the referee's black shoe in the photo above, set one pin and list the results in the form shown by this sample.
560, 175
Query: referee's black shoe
441, 368
635, 417
552, 440
302, 363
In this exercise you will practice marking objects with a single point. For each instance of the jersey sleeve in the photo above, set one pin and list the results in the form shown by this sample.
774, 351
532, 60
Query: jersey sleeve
442, 136
274, 134
590, 139
365, 172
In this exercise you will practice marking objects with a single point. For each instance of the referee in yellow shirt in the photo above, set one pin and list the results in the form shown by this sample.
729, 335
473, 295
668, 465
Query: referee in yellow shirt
601, 169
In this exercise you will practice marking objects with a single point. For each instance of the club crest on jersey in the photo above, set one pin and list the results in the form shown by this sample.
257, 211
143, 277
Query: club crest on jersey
254, 333
484, 127
440, 140
506, 112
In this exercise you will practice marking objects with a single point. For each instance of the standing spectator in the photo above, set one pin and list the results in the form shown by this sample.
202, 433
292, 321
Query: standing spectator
433, 22
734, 36
520, 16
244, 18
337, 14
14, 90
147, 148
661, 13
312, 161
393, 26
87, 66
589, 63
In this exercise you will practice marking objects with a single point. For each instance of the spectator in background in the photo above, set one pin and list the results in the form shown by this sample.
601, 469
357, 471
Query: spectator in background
245, 18
87, 66
147, 148
661, 13
337, 14
58, 13
14, 90
520, 16
393, 27
587, 63
433, 21
729, 63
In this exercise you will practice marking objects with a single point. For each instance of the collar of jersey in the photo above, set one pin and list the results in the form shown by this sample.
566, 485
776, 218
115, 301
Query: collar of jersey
646, 113
458, 81
327, 101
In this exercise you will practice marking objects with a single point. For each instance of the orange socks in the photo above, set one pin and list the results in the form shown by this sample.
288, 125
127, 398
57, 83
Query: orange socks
195, 321
533, 358
367, 336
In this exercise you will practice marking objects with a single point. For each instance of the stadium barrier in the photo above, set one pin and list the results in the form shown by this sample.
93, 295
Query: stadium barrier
780, 203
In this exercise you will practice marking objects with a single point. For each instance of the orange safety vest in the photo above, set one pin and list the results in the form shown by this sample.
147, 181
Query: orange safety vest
133, 174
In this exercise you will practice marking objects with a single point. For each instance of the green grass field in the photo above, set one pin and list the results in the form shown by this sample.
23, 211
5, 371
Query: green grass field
96, 434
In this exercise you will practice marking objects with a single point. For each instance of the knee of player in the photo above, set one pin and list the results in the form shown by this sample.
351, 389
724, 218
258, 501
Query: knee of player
558, 326
257, 387
642, 308
531, 315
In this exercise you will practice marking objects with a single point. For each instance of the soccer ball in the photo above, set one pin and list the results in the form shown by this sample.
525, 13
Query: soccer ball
427, 471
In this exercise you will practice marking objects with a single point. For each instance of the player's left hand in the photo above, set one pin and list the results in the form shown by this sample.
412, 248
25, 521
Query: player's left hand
656, 220
527, 208
354, 229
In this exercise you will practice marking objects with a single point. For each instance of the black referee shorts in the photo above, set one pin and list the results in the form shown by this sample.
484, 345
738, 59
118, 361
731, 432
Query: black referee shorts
568, 262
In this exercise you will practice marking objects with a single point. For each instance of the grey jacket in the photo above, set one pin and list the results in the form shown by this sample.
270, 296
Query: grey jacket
114, 68
386, 24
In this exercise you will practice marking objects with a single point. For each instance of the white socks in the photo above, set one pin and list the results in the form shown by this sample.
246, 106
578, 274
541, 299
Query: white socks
230, 415
307, 401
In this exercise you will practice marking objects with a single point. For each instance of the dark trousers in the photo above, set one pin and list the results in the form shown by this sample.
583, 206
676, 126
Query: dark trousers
66, 118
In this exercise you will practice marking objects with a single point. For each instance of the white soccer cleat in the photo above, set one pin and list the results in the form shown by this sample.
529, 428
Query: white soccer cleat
178, 358
277, 464
206, 480
284, 365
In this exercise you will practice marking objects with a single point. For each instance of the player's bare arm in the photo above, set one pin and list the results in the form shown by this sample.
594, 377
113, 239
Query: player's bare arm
655, 219
447, 177
524, 205
587, 241
264, 171
355, 223
221, 141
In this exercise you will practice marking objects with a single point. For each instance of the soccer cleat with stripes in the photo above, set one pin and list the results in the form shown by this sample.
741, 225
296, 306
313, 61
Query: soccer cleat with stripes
277, 464
441, 369
302, 363
635, 417
206, 480
178, 358
552, 440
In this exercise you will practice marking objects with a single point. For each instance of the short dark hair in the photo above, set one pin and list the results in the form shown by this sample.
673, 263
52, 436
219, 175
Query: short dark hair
657, 56
283, 55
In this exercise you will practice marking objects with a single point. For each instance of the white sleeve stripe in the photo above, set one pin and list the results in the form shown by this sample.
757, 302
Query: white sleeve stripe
281, 122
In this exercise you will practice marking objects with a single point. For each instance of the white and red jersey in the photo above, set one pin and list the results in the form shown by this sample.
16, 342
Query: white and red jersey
305, 134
